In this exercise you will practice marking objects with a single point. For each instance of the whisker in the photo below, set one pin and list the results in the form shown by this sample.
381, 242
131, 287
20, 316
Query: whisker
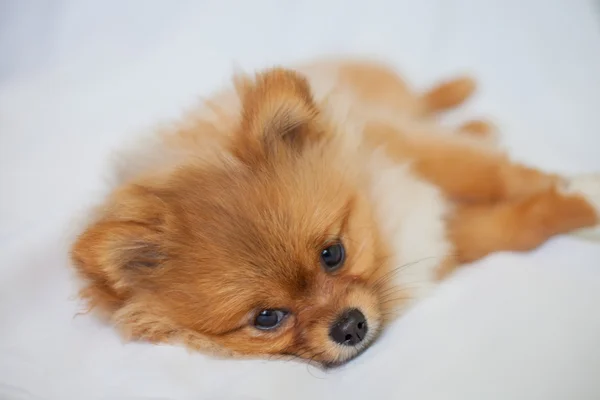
390, 294
405, 286
394, 271
381, 280
395, 299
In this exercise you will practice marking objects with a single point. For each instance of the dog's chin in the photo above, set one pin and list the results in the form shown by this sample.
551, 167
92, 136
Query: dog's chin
328, 365
325, 364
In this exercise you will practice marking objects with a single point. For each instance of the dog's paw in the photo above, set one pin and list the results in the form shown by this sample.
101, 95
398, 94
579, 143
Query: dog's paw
587, 186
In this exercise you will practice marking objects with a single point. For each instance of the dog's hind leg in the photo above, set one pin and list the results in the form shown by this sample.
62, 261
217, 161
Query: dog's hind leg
477, 230
465, 170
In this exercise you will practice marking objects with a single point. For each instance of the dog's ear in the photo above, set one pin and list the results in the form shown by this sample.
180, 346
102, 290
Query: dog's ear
110, 253
278, 114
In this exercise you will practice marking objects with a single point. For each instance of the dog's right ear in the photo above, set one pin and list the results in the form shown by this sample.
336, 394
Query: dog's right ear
278, 114
110, 253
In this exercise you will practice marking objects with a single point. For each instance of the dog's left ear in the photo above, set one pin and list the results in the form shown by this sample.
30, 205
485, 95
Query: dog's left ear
278, 115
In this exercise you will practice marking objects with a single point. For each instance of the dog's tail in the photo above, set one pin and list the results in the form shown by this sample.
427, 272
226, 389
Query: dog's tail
448, 94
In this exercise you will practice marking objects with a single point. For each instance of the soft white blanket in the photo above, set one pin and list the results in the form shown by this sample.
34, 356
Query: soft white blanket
79, 77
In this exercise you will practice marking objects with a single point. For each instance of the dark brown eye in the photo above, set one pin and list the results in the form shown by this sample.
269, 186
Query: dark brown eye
332, 257
269, 319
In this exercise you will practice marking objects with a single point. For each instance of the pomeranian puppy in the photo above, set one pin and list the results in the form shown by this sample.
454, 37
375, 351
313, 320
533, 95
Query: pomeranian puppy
300, 211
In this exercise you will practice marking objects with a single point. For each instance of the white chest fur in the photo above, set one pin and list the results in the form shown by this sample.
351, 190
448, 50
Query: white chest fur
411, 215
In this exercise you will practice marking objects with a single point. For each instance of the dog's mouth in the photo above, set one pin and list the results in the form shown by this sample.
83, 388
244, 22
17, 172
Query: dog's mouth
327, 365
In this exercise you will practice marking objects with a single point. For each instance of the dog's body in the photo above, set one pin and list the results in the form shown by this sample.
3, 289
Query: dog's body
321, 201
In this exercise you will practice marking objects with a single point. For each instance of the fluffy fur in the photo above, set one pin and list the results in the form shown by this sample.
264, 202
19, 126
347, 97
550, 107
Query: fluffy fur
226, 213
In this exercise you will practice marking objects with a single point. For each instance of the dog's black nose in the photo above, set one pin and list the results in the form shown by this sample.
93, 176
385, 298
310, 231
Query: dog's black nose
350, 328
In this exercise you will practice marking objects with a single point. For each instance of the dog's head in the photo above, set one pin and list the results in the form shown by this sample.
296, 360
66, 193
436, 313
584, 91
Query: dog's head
273, 251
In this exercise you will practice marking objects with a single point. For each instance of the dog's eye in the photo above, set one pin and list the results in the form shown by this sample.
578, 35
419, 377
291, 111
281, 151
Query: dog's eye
332, 257
269, 319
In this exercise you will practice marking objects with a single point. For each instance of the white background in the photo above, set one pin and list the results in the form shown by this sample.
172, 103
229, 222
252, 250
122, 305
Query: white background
79, 77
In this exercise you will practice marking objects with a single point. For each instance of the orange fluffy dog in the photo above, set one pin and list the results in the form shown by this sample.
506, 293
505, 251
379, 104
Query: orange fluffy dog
302, 210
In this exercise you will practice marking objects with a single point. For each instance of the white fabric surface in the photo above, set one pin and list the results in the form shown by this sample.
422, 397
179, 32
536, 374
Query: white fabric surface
77, 78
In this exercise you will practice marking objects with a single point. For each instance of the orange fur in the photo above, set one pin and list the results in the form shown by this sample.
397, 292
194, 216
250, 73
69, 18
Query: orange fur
379, 84
520, 225
464, 170
449, 94
228, 215
478, 129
